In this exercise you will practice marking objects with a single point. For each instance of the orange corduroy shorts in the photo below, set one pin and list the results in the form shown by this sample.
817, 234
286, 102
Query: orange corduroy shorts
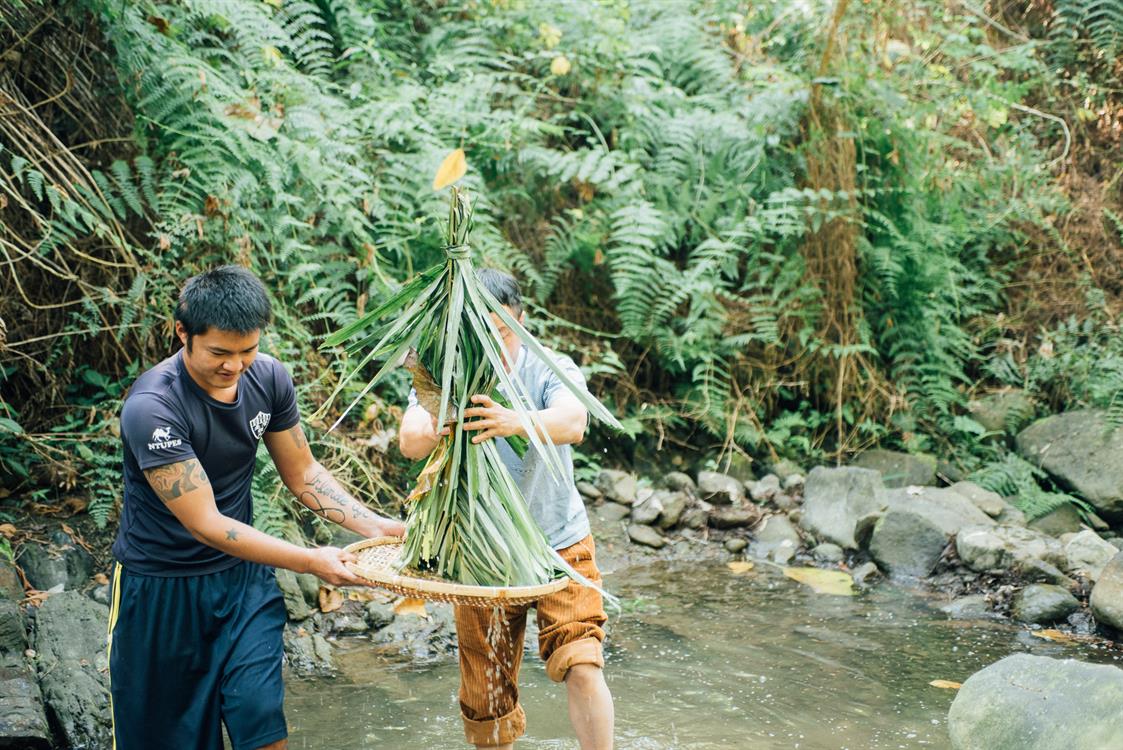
570, 631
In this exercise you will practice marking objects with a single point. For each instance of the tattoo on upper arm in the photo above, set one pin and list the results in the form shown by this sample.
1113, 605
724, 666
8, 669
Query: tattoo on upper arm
298, 438
173, 480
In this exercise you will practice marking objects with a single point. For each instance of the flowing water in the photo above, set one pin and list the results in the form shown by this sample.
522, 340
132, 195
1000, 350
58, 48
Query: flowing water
703, 658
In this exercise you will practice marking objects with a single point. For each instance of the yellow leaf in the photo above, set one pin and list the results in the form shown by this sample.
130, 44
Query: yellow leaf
1053, 635
946, 684
452, 169
330, 599
833, 582
560, 65
740, 567
8, 530
409, 606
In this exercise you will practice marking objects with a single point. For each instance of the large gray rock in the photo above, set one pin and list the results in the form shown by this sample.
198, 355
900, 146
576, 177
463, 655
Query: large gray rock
720, 489
899, 469
1035, 703
1082, 450
991, 503
997, 548
1087, 553
918, 524
23, 722
835, 500
69, 637
59, 563
295, 603
1107, 595
618, 486
1006, 411
1044, 604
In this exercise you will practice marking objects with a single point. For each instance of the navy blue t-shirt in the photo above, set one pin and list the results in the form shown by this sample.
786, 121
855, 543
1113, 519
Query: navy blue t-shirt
168, 418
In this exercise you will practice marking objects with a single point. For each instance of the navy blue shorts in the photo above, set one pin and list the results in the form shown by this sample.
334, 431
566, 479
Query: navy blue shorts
188, 653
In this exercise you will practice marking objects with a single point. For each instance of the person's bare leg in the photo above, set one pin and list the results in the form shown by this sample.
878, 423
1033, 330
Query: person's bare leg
278, 745
590, 707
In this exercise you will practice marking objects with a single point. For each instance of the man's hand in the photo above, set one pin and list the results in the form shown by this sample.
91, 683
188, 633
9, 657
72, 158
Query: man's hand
390, 527
491, 420
326, 563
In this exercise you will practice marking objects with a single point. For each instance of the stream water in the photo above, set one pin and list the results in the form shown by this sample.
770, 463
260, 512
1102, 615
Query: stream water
703, 658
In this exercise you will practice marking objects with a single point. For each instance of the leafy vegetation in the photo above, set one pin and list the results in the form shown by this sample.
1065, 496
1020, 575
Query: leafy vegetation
767, 229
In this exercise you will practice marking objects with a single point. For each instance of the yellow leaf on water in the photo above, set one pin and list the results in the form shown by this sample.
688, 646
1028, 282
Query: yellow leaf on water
833, 582
1058, 637
740, 567
946, 684
409, 606
454, 166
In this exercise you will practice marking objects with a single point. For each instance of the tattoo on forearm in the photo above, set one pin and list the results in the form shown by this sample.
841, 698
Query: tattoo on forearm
174, 480
232, 535
326, 498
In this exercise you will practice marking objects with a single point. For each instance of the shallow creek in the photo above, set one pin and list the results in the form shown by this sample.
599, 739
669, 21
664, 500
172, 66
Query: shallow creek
703, 658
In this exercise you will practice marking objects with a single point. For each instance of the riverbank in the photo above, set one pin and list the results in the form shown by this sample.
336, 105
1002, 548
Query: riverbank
889, 520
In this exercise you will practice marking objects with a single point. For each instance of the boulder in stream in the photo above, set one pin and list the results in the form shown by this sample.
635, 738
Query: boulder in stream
918, 524
835, 500
1044, 604
1106, 600
1026, 702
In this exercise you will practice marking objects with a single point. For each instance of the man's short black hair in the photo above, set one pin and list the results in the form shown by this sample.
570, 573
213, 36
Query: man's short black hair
503, 287
228, 298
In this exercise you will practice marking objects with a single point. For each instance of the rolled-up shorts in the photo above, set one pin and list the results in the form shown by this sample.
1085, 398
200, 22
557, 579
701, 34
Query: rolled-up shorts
188, 654
570, 631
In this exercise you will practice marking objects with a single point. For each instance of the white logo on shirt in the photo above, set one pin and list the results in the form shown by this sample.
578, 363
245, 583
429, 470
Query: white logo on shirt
259, 423
162, 438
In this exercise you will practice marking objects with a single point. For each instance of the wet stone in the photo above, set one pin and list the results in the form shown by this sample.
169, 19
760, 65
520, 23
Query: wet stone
679, 482
646, 536
972, 607
734, 518
693, 518
589, 491
736, 546
618, 486
719, 489
827, 552
674, 504
613, 512
59, 563
1044, 604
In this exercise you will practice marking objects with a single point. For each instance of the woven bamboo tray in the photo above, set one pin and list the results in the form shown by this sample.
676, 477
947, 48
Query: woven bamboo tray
376, 564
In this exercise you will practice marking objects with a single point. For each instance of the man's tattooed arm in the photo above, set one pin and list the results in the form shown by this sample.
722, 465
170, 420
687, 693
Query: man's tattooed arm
174, 480
323, 495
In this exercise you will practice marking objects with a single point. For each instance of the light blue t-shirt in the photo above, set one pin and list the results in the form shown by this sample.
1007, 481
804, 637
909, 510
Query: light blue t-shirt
554, 503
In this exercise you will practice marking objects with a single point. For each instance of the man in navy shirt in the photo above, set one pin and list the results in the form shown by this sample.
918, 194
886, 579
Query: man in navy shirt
196, 617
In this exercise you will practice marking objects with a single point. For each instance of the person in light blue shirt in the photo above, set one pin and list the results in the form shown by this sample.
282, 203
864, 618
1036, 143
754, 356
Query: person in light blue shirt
571, 622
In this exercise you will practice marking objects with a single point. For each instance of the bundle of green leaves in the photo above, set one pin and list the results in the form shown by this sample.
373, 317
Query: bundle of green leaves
468, 521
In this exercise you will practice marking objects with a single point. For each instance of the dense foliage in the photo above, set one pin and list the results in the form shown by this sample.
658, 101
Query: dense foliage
765, 229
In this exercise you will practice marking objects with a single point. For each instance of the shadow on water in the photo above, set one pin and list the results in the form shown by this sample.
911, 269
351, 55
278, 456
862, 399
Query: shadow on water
703, 659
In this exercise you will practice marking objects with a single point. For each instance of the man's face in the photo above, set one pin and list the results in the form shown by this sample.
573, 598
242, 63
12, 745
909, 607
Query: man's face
511, 341
218, 358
